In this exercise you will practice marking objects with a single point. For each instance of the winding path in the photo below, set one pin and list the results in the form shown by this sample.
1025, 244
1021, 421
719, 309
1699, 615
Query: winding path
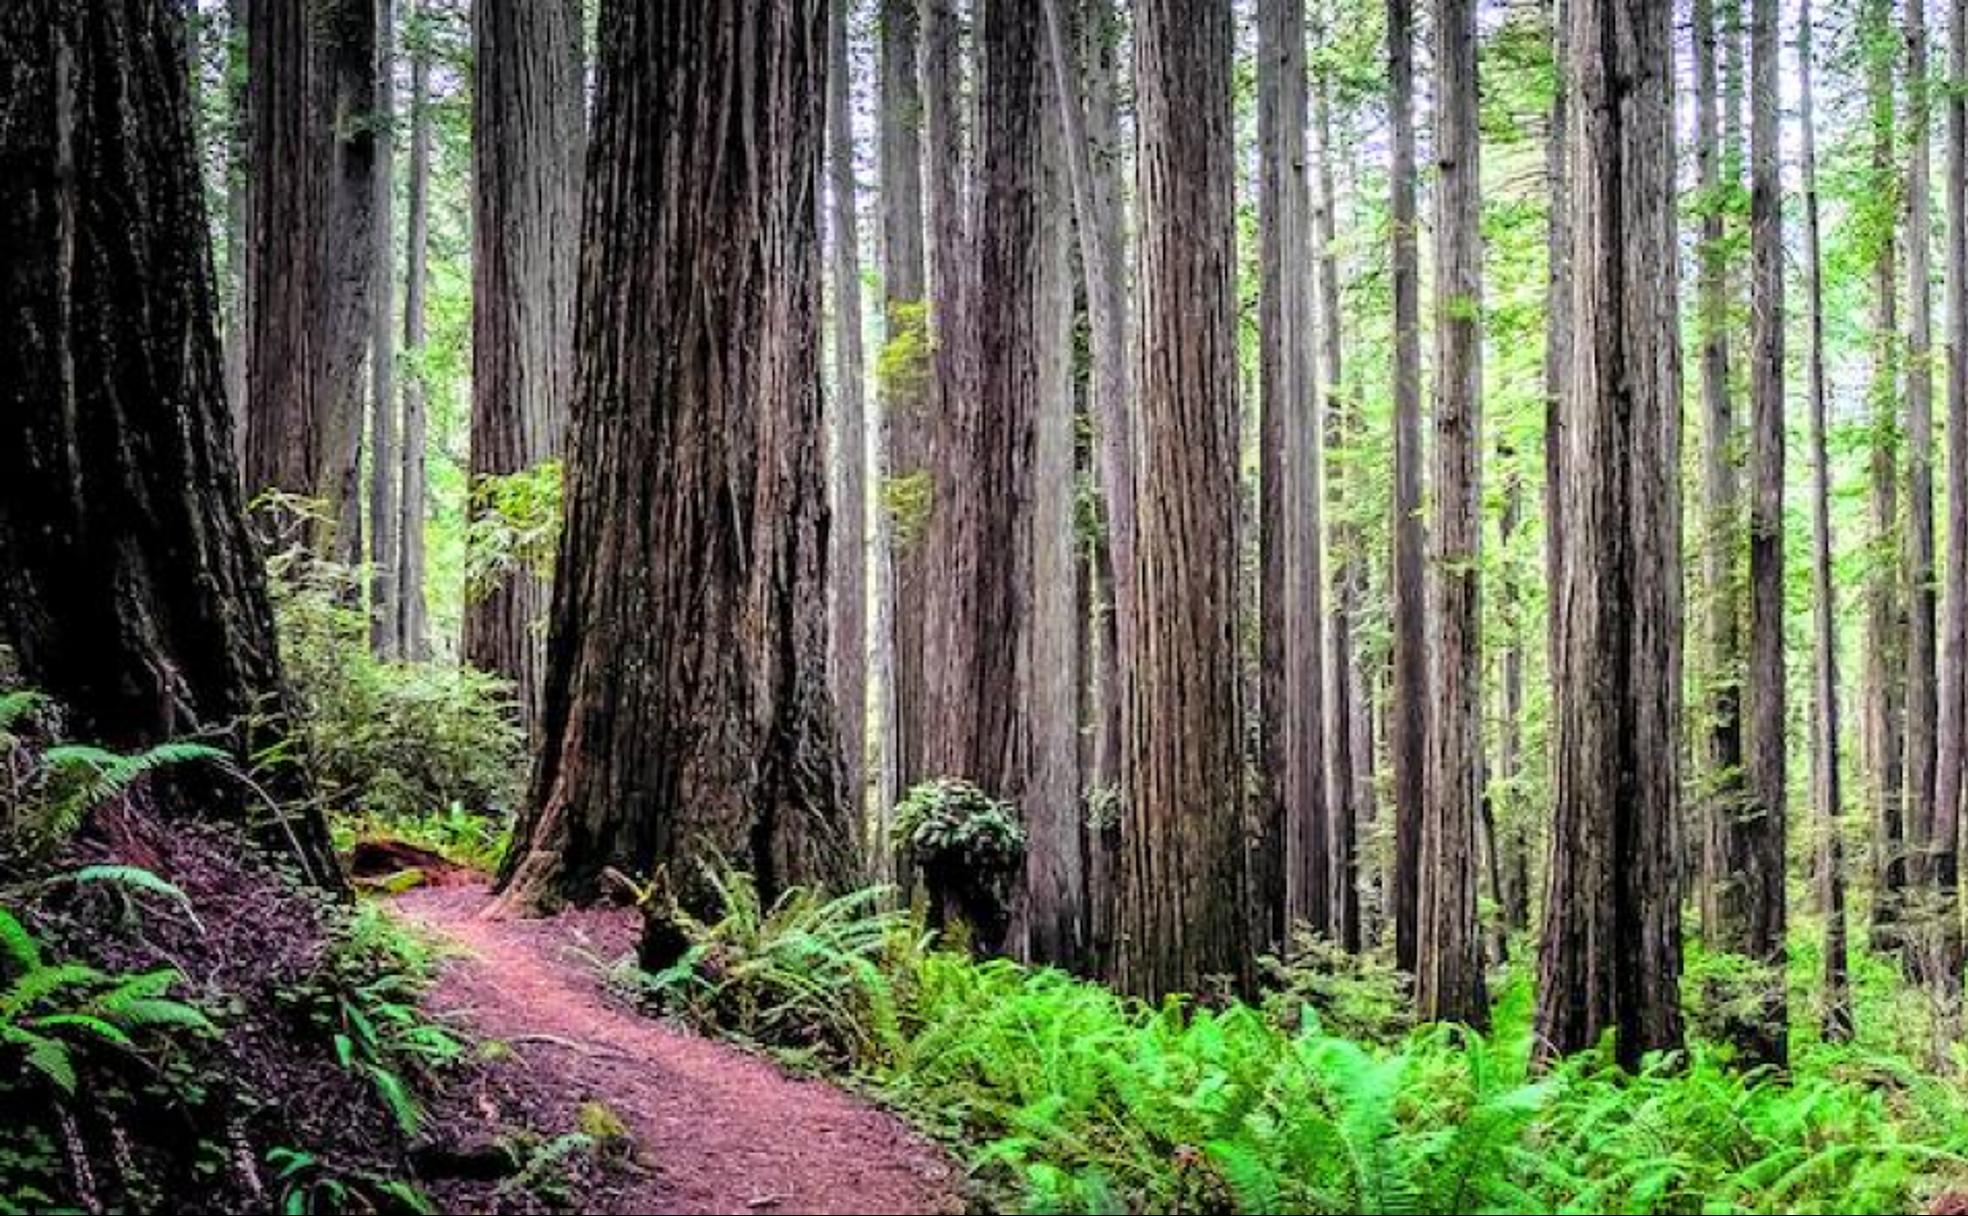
714, 1129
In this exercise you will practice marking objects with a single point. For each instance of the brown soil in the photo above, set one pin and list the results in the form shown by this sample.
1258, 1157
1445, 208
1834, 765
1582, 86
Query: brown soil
713, 1129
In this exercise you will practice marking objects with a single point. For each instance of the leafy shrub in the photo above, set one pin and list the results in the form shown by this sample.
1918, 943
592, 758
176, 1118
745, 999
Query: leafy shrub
514, 526
1355, 996
801, 973
969, 847
387, 739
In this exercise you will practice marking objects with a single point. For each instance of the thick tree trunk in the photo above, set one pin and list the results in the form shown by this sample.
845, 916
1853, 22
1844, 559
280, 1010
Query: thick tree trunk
1757, 837
686, 712
133, 593
1836, 995
847, 619
1407, 743
1557, 332
1886, 619
902, 417
528, 138
237, 328
1610, 955
1185, 912
413, 626
1449, 947
384, 617
1722, 896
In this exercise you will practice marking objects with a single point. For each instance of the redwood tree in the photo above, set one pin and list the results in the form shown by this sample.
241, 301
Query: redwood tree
685, 705
133, 592
1610, 954
1184, 901
527, 137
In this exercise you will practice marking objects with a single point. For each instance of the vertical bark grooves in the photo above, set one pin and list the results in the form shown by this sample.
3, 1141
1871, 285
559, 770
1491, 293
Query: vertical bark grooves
686, 708
1722, 896
847, 621
527, 103
1953, 743
384, 617
1886, 614
133, 592
1407, 742
1184, 903
1610, 955
903, 415
413, 627
1920, 644
1449, 949
1761, 830
1836, 994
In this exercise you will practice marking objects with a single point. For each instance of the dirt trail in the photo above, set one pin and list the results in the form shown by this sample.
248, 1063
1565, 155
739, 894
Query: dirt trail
715, 1129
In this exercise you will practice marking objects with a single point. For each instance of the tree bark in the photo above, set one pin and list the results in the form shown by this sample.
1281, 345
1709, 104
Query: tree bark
1921, 704
847, 622
1953, 753
528, 138
902, 417
1886, 617
1185, 910
1610, 955
384, 616
1290, 860
134, 594
1836, 992
1346, 758
1449, 949
1722, 896
686, 712
237, 323
413, 627
1407, 742
1759, 834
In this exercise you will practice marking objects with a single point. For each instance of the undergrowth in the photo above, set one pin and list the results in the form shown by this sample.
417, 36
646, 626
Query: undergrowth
1068, 1098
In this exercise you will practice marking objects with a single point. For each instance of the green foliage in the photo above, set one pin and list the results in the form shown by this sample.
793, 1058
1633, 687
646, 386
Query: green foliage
395, 741
310, 1184
800, 973
909, 498
463, 837
53, 1014
47, 788
902, 368
1354, 996
364, 1001
951, 819
514, 526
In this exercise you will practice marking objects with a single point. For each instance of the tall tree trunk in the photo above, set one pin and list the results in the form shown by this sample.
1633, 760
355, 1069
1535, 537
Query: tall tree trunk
847, 623
133, 593
1345, 757
1089, 126
1289, 857
1953, 756
1449, 950
1921, 702
384, 617
237, 329
1407, 743
311, 93
1722, 896
413, 628
686, 712
1758, 836
528, 137
1185, 910
1836, 998
1610, 955
902, 417
1886, 622
1557, 341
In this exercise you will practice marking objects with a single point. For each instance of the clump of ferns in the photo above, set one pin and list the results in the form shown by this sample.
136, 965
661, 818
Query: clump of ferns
969, 847
49, 788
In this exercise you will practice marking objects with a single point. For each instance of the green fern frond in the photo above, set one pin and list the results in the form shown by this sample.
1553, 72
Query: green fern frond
19, 947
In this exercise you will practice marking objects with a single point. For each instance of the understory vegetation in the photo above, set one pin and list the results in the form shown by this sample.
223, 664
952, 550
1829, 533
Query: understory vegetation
1064, 1097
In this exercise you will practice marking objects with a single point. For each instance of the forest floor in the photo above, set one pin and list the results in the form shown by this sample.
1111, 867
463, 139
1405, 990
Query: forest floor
710, 1128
